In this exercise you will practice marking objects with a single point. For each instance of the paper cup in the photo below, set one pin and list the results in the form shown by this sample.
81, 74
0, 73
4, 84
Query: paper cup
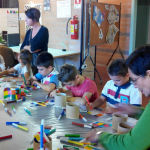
60, 100
117, 119
123, 128
72, 111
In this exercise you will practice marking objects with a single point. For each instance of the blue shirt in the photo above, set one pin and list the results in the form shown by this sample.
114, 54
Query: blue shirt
50, 78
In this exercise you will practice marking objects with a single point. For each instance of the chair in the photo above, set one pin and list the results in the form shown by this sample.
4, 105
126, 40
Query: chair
8, 55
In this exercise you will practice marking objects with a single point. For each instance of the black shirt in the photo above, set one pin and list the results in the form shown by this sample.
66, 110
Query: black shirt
39, 41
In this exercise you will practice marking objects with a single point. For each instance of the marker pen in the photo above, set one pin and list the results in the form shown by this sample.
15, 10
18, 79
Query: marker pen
81, 125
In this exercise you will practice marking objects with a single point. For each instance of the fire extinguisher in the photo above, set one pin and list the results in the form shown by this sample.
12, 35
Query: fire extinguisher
74, 27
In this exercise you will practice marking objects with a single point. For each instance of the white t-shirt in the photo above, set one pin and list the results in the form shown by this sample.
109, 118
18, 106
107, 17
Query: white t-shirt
22, 70
2, 67
2, 63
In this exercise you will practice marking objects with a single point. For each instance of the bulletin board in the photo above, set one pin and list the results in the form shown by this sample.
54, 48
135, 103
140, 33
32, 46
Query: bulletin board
104, 23
9, 16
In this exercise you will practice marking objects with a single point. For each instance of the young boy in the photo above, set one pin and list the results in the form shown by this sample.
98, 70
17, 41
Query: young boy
119, 89
46, 72
77, 85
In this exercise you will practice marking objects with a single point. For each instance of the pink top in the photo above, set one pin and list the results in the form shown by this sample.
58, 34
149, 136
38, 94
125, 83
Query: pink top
87, 86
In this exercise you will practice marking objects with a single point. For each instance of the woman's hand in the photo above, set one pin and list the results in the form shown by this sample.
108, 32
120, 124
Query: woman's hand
93, 136
28, 47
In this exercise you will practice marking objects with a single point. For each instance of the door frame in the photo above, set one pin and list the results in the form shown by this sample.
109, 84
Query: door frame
133, 26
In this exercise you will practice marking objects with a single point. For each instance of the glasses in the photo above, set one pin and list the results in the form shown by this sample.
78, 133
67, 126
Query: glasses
134, 81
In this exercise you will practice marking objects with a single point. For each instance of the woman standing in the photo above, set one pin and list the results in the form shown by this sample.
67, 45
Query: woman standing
36, 38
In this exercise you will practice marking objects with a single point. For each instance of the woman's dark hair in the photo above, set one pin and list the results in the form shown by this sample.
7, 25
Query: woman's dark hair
139, 61
118, 68
26, 57
33, 13
67, 73
45, 59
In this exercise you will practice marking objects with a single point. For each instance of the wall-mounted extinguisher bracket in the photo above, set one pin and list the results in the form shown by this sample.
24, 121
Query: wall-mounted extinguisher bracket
74, 27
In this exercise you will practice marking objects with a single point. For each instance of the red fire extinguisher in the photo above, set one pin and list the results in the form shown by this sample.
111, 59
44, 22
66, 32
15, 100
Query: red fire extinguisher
74, 25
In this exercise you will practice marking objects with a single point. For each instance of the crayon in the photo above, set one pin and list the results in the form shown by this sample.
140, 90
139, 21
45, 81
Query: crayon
37, 103
76, 138
24, 79
76, 143
41, 134
69, 146
72, 135
70, 143
81, 125
83, 118
62, 113
27, 111
20, 127
2, 103
41, 104
16, 122
6, 137
13, 108
92, 147
52, 131
6, 110
88, 102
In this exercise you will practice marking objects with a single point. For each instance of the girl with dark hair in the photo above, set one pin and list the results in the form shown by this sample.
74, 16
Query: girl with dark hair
23, 68
36, 38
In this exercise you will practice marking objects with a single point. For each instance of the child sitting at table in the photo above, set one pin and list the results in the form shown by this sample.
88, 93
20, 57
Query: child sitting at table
46, 72
23, 68
2, 63
119, 89
77, 85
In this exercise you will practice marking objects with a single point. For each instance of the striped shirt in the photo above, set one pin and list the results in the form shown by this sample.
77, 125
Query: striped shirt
126, 93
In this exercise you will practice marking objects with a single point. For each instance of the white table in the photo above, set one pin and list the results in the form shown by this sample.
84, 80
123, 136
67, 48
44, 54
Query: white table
61, 57
55, 52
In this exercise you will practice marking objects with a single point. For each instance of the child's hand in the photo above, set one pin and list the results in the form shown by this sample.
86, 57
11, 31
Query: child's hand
89, 107
83, 101
109, 110
53, 93
35, 82
28, 82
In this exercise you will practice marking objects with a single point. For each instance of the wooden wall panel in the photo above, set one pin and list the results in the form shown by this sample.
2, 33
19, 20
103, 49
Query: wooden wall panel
104, 51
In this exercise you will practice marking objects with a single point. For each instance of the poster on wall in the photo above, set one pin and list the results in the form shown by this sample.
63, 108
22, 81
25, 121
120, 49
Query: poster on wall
3, 26
77, 4
46, 5
12, 21
104, 27
63, 8
38, 6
